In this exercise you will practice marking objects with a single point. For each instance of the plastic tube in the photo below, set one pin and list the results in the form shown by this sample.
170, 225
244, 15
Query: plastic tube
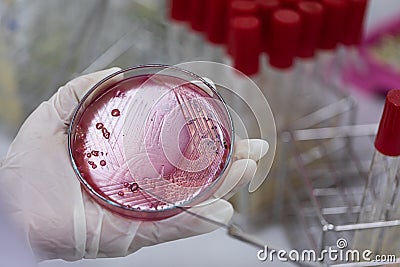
348, 52
292, 4
195, 46
177, 29
332, 32
245, 47
380, 188
237, 8
216, 29
280, 84
265, 10
312, 15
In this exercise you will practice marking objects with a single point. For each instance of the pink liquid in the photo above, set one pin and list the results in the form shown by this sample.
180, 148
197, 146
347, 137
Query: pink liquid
98, 146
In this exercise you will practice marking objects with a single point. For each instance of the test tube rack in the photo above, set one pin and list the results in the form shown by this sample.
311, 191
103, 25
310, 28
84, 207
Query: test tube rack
325, 187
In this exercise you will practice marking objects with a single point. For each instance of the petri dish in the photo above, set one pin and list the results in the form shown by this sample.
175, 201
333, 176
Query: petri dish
148, 142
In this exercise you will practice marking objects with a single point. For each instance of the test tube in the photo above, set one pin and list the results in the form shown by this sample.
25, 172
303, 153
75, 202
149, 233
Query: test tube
245, 47
312, 15
381, 184
216, 29
198, 15
332, 32
194, 49
353, 33
265, 10
391, 242
326, 75
237, 8
177, 29
286, 26
292, 4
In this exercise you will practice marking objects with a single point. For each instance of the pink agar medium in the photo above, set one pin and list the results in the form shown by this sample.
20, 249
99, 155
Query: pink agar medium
102, 144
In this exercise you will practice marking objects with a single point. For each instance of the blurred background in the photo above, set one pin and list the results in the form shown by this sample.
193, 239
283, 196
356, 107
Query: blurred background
45, 43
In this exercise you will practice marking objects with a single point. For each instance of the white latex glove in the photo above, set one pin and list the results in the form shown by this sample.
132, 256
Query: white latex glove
61, 221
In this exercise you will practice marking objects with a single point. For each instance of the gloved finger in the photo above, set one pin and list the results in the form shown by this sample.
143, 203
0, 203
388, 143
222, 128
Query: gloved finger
68, 96
240, 173
253, 149
243, 170
184, 225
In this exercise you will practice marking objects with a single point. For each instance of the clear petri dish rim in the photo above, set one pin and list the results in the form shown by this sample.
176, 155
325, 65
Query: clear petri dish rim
149, 69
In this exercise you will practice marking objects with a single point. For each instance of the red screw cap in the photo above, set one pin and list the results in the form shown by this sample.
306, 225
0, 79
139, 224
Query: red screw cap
179, 10
236, 9
355, 22
197, 17
290, 3
265, 10
217, 21
246, 39
242, 8
334, 23
312, 16
388, 138
286, 25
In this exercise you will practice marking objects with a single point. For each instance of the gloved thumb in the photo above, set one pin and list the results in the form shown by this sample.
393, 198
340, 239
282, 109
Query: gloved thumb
68, 96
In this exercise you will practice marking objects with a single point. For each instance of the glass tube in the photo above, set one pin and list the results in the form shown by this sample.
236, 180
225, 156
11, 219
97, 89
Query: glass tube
378, 195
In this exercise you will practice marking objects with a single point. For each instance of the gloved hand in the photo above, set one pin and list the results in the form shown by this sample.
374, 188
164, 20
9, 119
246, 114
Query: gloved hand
61, 221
